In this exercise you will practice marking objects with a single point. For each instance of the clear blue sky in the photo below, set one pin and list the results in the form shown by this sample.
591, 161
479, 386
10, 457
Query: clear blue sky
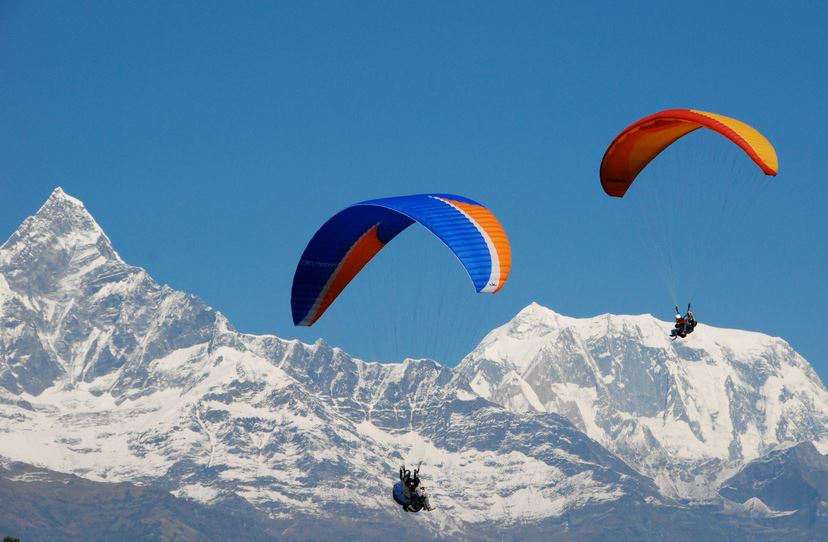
211, 139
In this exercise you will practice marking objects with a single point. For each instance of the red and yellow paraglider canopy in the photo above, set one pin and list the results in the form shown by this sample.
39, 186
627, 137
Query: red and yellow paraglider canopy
642, 141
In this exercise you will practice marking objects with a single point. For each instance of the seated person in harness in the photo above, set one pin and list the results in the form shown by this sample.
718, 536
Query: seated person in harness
408, 493
679, 329
691, 321
684, 324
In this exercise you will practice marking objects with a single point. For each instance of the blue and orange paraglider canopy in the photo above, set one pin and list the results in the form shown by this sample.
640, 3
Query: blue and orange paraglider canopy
349, 239
642, 141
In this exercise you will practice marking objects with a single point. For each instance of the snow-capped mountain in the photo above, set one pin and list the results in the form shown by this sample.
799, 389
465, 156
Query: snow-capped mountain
688, 413
107, 375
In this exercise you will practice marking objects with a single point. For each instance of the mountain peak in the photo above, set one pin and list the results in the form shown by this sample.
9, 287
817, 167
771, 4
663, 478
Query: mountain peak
64, 214
535, 308
535, 320
58, 194
60, 237
537, 313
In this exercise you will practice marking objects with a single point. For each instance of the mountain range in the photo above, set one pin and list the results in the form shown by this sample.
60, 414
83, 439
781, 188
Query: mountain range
115, 389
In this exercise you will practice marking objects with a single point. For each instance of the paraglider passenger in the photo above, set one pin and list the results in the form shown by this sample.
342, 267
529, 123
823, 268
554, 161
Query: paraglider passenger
680, 328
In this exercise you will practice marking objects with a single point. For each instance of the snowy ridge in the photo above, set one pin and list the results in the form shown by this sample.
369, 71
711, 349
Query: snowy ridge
687, 413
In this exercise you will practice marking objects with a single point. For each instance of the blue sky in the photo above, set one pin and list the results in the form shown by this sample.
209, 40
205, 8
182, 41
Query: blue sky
210, 140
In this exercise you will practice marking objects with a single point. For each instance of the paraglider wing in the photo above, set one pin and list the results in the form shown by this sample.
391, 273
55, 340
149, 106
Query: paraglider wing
642, 141
348, 241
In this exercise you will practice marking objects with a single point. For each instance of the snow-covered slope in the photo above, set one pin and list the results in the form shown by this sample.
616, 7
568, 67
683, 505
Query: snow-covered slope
687, 413
106, 374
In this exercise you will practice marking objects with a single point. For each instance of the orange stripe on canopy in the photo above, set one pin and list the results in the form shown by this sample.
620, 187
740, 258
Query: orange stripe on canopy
643, 140
360, 254
489, 223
